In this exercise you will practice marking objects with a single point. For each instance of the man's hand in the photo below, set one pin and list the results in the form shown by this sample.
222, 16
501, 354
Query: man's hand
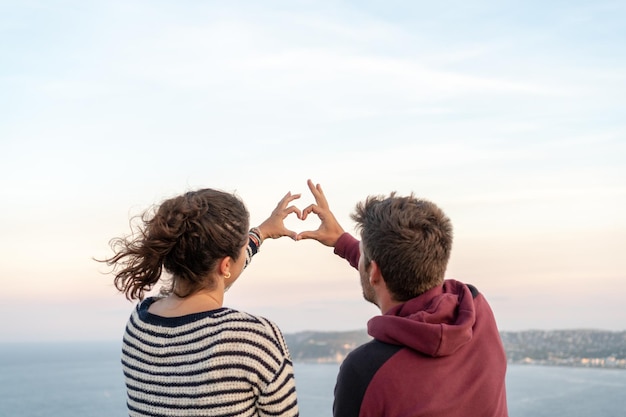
330, 230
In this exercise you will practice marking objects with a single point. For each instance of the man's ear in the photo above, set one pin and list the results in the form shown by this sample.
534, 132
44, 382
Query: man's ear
375, 276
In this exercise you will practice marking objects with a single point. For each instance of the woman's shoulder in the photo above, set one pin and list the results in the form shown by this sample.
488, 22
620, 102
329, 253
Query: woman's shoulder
224, 320
256, 325
250, 319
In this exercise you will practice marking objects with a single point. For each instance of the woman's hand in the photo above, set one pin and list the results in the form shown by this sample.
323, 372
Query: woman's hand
273, 227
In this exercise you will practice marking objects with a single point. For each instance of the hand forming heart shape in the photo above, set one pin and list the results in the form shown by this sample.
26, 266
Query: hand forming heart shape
328, 231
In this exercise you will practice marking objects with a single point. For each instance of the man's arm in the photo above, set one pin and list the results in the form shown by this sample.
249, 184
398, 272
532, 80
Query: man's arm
356, 373
349, 390
348, 248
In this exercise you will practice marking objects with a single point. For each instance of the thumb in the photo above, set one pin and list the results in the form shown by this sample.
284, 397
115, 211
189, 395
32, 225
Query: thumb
293, 235
306, 235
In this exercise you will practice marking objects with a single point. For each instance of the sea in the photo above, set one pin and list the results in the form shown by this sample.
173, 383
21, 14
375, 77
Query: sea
85, 379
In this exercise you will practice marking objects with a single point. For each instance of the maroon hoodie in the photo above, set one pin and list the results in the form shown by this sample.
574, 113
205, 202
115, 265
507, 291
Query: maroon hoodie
439, 354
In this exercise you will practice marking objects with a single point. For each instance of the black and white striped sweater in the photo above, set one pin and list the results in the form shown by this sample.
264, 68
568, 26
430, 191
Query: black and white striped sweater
216, 363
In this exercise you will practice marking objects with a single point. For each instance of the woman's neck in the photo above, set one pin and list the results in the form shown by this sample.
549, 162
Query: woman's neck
198, 302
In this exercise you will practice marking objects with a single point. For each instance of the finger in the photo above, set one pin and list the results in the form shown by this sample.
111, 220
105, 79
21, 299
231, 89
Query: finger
291, 197
284, 201
288, 198
309, 234
290, 233
318, 193
322, 197
292, 209
308, 210
313, 189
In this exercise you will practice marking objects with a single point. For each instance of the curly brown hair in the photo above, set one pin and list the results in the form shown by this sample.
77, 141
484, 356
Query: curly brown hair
186, 235
409, 238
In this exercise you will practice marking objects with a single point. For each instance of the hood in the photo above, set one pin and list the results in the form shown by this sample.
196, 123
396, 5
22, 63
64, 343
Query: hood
436, 323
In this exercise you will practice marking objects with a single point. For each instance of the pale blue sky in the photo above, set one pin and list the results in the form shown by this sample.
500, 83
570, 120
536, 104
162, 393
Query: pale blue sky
509, 115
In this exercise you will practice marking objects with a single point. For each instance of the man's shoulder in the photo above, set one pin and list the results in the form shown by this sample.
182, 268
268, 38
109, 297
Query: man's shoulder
370, 356
357, 372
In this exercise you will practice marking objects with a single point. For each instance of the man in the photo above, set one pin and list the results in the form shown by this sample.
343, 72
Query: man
436, 350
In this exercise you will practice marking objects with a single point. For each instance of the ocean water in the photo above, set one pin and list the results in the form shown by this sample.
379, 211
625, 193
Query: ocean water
85, 379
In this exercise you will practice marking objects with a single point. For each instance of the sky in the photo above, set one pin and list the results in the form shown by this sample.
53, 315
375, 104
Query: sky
507, 114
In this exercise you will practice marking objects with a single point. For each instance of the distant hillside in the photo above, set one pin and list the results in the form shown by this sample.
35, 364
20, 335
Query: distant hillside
592, 348
567, 347
324, 346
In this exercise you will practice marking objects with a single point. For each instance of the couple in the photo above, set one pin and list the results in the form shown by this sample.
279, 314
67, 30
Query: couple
436, 350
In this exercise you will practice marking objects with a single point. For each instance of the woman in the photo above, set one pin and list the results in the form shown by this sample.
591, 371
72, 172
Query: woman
184, 353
